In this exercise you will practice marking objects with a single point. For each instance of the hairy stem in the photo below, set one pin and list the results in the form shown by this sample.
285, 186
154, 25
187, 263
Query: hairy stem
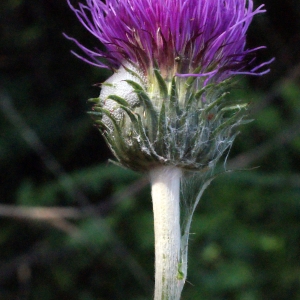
165, 183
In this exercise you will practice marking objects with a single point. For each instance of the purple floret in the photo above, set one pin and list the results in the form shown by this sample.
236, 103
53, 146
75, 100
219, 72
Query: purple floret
182, 37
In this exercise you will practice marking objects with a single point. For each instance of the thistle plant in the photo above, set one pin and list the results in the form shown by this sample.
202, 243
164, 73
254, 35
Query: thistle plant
166, 110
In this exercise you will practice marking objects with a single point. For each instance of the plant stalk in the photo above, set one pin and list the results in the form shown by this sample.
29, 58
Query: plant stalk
165, 183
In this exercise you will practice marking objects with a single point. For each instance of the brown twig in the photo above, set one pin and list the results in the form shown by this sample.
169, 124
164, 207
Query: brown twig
39, 213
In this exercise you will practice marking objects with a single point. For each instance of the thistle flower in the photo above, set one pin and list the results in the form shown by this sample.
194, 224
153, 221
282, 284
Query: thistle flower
165, 103
166, 109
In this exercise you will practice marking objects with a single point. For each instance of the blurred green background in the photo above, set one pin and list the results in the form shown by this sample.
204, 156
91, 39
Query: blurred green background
96, 241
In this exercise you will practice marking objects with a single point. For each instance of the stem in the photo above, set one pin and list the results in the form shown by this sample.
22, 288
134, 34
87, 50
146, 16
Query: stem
165, 183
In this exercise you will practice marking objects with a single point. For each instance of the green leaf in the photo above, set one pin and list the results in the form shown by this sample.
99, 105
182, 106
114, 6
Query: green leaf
151, 114
97, 112
235, 107
117, 141
133, 73
137, 87
94, 100
161, 83
216, 102
200, 92
190, 100
144, 137
162, 130
174, 104
192, 79
118, 99
225, 124
130, 114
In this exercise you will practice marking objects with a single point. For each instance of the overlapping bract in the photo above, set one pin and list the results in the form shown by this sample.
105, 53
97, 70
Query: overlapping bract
191, 134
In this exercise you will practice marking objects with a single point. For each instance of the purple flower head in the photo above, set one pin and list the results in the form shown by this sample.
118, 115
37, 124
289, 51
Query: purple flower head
166, 102
183, 37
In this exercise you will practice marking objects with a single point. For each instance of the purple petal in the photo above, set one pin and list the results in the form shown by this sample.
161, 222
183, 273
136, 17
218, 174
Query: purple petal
177, 35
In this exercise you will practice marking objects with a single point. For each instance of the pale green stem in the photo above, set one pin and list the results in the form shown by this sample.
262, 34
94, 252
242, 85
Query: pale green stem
165, 182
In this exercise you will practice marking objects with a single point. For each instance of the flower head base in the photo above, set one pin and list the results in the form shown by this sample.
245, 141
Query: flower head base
177, 125
166, 102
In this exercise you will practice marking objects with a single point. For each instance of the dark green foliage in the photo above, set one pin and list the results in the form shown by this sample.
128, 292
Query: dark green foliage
246, 229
